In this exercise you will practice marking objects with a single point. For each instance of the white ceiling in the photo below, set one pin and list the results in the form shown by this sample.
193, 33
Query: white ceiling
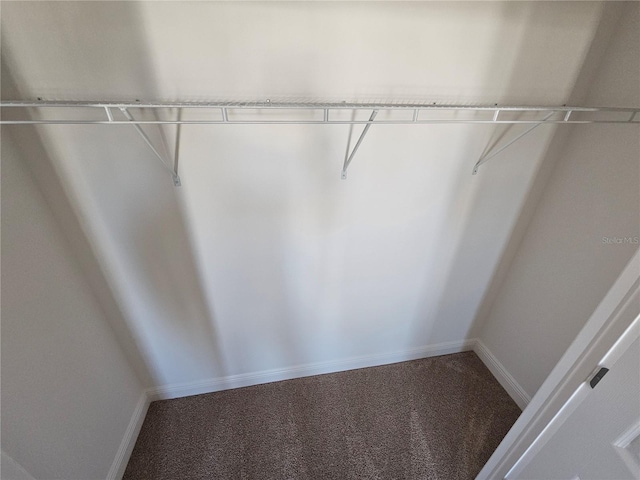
265, 258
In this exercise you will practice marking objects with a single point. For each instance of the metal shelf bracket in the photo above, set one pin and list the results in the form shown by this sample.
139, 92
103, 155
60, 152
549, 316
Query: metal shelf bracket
173, 171
348, 159
489, 155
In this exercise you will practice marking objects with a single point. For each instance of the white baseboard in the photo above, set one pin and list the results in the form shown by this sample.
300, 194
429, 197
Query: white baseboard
513, 388
166, 392
267, 376
129, 440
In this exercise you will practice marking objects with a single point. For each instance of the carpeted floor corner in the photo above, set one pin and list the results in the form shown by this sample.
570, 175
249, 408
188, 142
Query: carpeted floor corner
436, 418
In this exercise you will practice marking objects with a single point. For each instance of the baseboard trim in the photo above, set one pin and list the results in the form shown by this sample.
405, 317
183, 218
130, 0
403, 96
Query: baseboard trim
129, 440
513, 388
267, 376
167, 392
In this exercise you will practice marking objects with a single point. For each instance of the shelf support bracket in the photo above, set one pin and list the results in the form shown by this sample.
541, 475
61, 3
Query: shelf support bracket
489, 155
174, 172
349, 158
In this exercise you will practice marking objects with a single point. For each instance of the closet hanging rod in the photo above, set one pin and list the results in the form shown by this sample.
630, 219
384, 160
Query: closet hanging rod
495, 113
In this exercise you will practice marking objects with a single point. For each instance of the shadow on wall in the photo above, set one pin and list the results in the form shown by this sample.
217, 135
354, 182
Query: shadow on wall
277, 247
483, 218
244, 241
132, 220
32, 152
313, 268
606, 26
302, 267
258, 214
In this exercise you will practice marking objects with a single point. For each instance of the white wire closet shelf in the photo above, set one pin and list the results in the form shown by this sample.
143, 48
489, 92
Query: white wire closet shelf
26, 112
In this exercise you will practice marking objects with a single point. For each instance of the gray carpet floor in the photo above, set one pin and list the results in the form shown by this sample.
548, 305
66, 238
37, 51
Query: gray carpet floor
436, 418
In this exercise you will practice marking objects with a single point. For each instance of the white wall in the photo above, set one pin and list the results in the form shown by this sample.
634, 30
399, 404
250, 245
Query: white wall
563, 267
12, 470
68, 393
265, 258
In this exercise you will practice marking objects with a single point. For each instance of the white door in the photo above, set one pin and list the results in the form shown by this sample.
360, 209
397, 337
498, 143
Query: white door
596, 434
